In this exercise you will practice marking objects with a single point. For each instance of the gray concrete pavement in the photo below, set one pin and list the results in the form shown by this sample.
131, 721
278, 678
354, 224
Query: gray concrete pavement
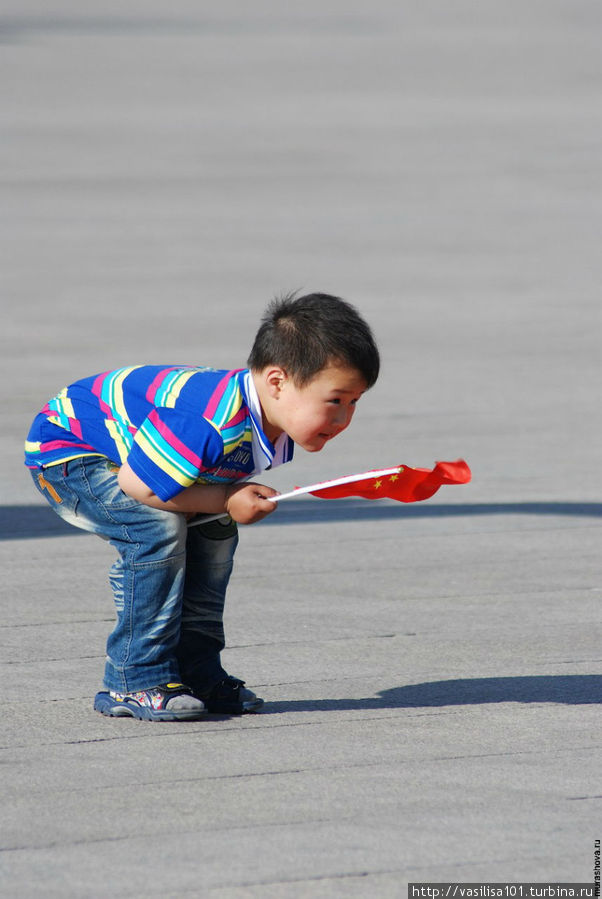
432, 674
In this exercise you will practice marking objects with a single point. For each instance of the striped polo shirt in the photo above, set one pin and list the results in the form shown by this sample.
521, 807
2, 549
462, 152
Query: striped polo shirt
176, 425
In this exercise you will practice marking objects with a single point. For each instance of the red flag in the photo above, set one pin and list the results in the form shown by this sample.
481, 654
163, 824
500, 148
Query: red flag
405, 484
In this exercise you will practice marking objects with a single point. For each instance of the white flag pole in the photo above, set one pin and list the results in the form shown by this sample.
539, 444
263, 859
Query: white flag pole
349, 479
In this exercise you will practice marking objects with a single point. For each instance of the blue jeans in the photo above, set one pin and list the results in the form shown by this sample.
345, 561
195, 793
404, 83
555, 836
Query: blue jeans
169, 581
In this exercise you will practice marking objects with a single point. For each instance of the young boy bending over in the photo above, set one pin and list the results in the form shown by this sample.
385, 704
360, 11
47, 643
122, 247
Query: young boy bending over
133, 454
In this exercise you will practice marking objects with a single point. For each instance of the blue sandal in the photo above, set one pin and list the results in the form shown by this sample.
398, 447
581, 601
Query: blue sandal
167, 702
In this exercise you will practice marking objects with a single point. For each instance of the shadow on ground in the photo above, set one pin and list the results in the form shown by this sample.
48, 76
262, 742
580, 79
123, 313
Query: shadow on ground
23, 522
572, 689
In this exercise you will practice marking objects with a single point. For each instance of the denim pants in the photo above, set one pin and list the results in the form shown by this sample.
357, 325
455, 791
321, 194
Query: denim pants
169, 581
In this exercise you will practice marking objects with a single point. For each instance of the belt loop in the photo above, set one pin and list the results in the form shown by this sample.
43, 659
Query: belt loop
65, 464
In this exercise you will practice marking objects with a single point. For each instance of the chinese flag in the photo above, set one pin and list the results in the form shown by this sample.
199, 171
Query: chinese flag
405, 484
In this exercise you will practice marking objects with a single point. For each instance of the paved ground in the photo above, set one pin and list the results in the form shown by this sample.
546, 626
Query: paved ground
432, 674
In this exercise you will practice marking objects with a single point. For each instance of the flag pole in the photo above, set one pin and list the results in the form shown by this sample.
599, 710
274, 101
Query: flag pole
337, 482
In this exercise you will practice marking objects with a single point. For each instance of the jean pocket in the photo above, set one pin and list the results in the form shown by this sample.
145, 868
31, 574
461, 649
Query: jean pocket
101, 476
50, 482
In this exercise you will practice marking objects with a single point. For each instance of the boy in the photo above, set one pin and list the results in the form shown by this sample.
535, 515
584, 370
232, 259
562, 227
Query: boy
134, 454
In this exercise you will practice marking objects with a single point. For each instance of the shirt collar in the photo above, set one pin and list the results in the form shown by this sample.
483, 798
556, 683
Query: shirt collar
265, 453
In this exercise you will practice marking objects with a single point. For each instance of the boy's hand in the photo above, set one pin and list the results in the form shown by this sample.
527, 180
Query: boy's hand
247, 502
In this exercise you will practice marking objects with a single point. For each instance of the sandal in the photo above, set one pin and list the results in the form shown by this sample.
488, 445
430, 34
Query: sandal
230, 697
167, 702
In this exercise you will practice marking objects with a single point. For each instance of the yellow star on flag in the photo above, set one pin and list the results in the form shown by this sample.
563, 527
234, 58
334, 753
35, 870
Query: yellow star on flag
377, 484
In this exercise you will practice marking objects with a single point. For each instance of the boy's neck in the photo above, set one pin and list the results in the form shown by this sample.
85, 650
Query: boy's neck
272, 432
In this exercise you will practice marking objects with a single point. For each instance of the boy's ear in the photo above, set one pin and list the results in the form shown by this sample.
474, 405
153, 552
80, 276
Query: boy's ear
274, 378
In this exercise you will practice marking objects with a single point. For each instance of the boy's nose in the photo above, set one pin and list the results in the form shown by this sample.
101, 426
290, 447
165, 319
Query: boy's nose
343, 416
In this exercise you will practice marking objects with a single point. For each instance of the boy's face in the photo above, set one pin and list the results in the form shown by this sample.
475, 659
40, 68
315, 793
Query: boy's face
315, 413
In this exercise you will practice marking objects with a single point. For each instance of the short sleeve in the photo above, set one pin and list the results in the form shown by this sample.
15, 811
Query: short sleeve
171, 448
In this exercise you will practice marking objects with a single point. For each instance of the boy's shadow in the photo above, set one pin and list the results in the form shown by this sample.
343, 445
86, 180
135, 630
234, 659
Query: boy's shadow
571, 689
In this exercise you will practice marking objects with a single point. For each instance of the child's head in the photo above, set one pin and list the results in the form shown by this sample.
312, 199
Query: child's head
306, 334
312, 360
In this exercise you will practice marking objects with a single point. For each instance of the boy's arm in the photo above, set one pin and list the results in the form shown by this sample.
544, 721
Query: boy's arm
245, 503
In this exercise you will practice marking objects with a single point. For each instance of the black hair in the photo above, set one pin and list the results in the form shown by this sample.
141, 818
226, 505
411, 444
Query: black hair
304, 334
